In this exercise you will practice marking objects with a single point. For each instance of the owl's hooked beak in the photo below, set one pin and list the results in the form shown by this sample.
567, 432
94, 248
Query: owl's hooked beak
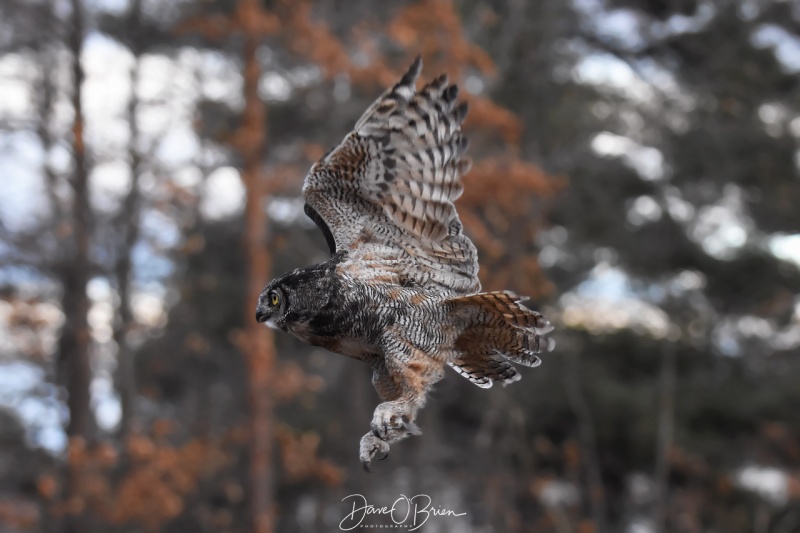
262, 313
263, 310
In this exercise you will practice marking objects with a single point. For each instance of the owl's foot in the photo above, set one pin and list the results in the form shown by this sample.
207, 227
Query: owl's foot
372, 447
390, 422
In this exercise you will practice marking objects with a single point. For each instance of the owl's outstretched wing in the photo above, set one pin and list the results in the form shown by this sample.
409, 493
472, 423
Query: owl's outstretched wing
386, 193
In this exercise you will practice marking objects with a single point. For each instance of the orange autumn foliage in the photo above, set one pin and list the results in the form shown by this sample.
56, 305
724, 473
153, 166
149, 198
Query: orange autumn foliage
157, 477
299, 457
18, 515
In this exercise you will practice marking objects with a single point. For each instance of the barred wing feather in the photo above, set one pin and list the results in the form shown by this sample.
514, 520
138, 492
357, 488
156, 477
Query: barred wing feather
386, 193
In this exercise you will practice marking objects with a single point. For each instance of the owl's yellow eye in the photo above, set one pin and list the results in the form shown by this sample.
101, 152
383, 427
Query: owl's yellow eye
274, 298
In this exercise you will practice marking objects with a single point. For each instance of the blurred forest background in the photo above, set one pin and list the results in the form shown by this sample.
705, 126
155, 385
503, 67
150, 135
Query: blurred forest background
637, 172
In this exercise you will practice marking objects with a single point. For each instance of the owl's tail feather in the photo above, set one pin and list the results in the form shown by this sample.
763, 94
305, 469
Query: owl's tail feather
496, 330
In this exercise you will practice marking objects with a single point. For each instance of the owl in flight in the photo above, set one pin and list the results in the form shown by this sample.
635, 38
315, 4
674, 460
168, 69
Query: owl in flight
401, 291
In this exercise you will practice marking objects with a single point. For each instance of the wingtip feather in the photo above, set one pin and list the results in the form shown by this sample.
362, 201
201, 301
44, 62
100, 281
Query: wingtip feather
413, 72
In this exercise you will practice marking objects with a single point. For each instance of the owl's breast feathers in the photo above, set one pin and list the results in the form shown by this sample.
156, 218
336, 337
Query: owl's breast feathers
343, 313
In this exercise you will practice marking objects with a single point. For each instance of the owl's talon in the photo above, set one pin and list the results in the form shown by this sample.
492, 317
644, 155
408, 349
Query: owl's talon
372, 447
388, 424
386, 420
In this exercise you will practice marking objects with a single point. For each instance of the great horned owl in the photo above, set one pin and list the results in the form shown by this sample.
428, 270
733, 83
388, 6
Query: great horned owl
401, 290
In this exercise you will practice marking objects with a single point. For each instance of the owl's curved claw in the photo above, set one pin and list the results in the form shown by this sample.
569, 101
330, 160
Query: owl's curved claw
372, 447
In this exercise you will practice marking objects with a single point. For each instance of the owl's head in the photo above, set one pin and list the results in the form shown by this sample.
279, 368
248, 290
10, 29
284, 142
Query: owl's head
294, 298
272, 305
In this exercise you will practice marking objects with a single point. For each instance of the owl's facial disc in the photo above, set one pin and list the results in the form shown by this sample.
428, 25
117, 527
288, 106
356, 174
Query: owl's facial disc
270, 306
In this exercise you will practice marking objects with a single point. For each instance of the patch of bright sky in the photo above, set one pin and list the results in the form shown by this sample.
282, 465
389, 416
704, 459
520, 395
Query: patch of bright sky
159, 228
165, 116
15, 75
222, 79
21, 163
646, 86
722, 228
621, 26
179, 146
109, 183
148, 309
647, 161
288, 211
732, 333
187, 177
643, 210
770, 483
678, 208
604, 69
109, 6
599, 315
104, 401
606, 281
646, 209
678, 23
25, 391
785, 45
606, 301
274, 87
773, 113
624, 26
277, 83
168, 92
149, 263
107, 91
223, 194
785, 247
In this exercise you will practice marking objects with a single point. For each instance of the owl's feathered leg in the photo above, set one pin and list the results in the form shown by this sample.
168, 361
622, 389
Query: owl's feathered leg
402, 384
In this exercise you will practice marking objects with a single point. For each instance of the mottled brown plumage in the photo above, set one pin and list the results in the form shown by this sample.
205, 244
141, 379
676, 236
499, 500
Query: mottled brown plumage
401, 291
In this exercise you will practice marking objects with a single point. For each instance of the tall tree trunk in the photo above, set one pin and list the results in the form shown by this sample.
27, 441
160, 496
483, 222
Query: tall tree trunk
588, 441
259, 347
46, 93
74, 342
73, 346
129, 223
666, 414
